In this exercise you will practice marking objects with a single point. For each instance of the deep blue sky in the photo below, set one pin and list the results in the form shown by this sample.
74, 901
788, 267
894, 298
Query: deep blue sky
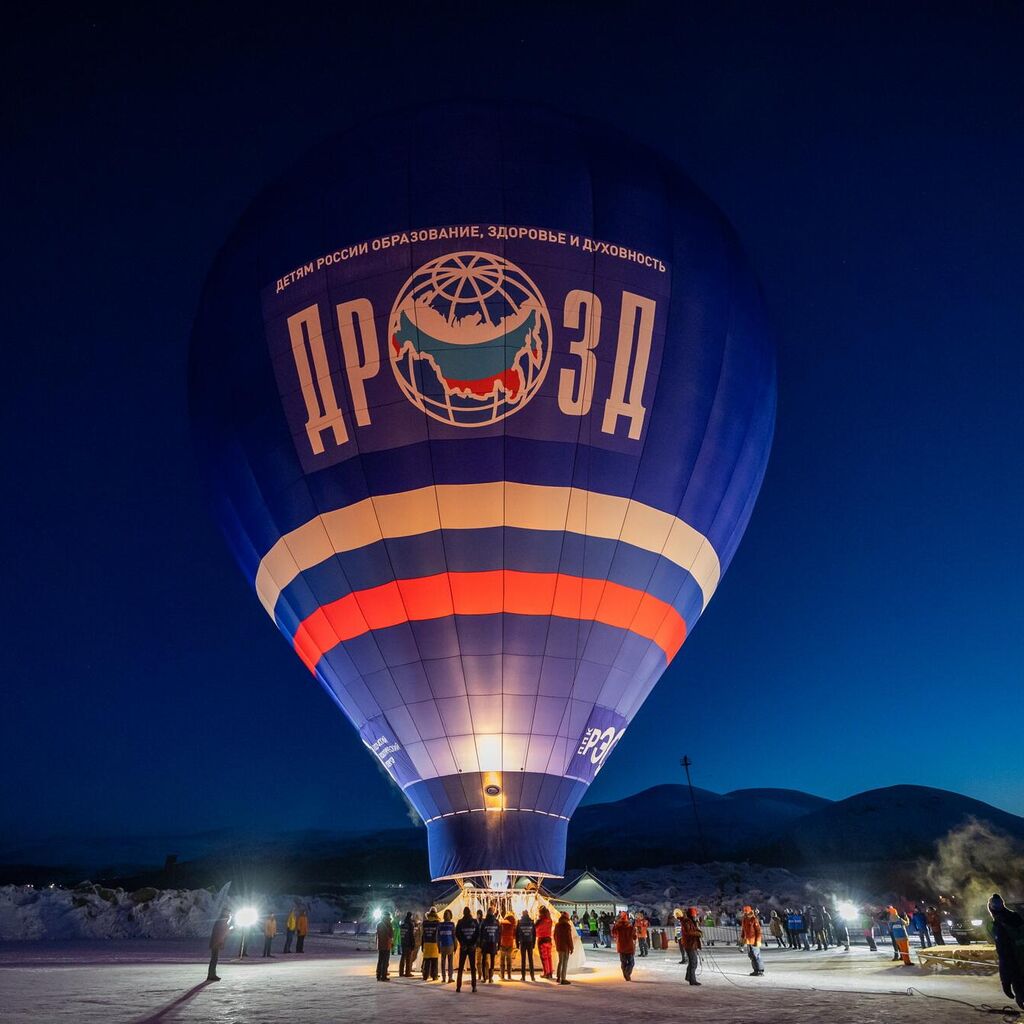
869, 630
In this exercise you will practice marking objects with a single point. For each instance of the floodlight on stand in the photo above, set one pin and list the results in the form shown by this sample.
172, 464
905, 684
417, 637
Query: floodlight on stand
246, 917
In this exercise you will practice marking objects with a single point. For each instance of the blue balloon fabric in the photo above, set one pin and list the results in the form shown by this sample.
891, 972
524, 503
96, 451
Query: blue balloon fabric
485, 396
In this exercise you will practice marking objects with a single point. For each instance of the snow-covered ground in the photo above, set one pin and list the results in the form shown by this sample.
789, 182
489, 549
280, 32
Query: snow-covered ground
116, 982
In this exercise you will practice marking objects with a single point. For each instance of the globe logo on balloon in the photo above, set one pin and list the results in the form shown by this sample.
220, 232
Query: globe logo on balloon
470, 339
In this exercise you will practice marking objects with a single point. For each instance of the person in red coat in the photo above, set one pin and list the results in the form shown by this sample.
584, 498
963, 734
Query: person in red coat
624, 933
564, 933
544, 928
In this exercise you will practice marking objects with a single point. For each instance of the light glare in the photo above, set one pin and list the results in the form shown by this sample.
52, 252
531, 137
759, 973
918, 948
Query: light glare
246, 917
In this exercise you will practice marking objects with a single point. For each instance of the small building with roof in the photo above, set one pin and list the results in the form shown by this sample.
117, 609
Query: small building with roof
588, 893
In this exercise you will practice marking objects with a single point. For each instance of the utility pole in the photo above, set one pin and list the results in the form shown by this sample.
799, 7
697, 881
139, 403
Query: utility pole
685, 763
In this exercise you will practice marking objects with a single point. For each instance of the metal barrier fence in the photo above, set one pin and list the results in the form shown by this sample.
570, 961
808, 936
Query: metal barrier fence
729, 935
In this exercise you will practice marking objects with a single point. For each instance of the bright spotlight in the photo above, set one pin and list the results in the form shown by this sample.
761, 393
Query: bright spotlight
977, 923
246, 917
848, 910
377, 914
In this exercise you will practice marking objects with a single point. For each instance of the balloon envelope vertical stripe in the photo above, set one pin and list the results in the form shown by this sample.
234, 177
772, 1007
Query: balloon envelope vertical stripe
485, 396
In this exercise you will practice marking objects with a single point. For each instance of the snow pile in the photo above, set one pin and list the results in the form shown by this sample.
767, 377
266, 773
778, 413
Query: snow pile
721, 887
93, 911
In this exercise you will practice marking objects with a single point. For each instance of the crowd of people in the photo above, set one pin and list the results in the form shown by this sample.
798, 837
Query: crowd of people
296, 928
486, 943
480, 944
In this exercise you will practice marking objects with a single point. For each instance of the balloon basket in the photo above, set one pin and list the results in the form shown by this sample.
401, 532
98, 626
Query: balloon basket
479, 893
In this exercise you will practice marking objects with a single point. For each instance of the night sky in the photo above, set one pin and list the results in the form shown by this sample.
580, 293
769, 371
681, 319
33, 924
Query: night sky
868, 632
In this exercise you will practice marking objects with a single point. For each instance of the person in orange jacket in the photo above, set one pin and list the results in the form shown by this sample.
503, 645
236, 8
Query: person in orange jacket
269, 931
506, 943
642, 929
218, 937
563, 936
750, 933
301, 929
624, 933
544, 929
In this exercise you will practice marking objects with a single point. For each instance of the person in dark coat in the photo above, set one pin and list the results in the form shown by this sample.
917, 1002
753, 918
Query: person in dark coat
919, 922
467, 932
526, 940
408, 932
935, 926
384, 938
1008, 935
218, 937
490, 933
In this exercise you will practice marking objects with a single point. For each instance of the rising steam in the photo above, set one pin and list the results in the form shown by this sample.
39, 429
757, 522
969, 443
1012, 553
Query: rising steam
974, 861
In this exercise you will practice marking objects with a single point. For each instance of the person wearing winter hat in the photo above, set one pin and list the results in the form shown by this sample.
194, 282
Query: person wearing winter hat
750, 933
1008, 935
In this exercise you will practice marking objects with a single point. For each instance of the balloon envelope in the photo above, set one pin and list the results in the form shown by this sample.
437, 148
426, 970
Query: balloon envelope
485, 396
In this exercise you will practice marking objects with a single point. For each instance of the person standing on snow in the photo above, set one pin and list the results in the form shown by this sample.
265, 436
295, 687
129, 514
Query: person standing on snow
775, 926
396, 932
563, 937
408, 941
841, 931
750, 933
384, 937
592, 927
446, 947
289, 930
691, 944
490, 933
269, 931
526, 939
544, 930
428, 943
507, 942
624, 933
677, 915
642, 941
467, 931
1008, 936
218, 937
919, 921
895, 921
301, 930
934, 920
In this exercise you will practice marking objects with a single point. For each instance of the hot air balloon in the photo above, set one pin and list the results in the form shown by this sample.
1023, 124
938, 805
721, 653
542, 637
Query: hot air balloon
485, 396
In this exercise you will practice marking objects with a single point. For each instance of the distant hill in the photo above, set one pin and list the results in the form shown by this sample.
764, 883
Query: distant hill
895, 823
775, 827
660, 827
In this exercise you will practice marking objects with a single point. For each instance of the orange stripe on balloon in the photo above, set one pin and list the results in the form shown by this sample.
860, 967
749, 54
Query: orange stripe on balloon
488, 593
